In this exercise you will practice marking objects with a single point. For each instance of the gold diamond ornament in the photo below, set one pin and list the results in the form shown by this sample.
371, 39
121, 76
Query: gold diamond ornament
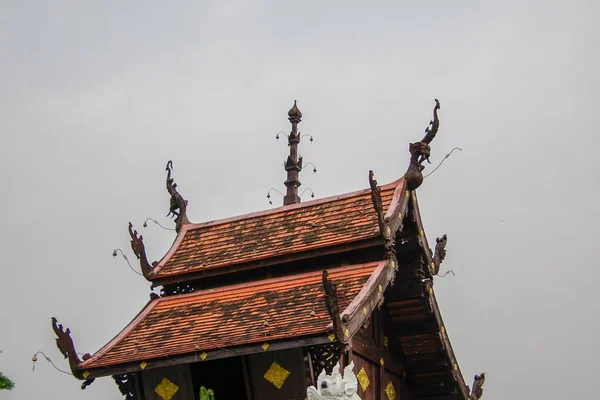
390, 391
363, 379
166, 389
265, 346
203, 356
331, 337
277, 375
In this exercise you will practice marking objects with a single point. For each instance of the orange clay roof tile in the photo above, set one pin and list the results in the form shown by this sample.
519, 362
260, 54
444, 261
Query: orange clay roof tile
282, 231
242, 314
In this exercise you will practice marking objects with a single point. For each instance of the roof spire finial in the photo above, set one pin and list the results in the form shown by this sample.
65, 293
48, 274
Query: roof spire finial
293, 165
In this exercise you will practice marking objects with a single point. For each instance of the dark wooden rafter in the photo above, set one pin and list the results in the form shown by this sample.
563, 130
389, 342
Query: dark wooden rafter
477, 391
137, 245
420, 151
178, 205
331, 302
383, 223
127, 384
67, 348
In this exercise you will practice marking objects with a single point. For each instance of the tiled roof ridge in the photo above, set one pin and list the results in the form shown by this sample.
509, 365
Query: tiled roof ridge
297, 279
283, 209
397, 184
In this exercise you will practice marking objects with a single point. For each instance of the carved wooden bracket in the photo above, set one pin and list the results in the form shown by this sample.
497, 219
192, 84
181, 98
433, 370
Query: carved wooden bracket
127, 385
331, 301
87, 383
325, 357
420, 151
382, 222
178, 205
67, 348
439, 254
477, 391
137, 245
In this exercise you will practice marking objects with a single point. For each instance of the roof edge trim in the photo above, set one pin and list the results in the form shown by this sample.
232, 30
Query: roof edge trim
114, 341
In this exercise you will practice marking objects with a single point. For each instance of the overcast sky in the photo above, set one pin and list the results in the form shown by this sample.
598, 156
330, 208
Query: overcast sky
94, 99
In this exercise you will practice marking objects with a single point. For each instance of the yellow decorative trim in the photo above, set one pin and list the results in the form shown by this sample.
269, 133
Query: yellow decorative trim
443, 330
166, 389
386, 342
265, 346
421, 233
430, 290
407, 193
393, 264
85, 374
399, 215
380, 289
381, 361
331, 337
203, 356
390, 391
455, 366
388, 231
347, 333
365, 311
363, 379
143, 364
277, 375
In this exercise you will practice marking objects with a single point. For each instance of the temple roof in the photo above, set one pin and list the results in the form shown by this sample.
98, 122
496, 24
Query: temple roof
282, 231
283, 308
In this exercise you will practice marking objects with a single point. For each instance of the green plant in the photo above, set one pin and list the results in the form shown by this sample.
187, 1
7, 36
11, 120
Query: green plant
206, 394
5, 383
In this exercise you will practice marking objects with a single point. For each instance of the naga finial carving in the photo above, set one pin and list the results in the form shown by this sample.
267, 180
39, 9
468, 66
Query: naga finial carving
331, 301
137, 245
178, 205
439, 253
477, 391
420, 151
377, 203
384, 226
335, 386
66, 346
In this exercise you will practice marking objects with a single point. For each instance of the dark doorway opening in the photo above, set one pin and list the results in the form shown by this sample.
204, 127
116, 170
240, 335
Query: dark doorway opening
225, 377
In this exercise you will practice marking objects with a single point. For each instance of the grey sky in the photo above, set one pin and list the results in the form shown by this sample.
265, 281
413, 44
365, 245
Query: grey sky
96, 98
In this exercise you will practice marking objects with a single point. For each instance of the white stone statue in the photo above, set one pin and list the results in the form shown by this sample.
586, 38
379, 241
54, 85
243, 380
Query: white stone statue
334, 386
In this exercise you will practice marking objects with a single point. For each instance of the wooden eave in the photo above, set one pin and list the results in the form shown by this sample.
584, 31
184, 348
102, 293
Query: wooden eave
371, 294
422, 238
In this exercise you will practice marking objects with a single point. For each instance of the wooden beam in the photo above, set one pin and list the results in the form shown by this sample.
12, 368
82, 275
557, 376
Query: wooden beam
212, 355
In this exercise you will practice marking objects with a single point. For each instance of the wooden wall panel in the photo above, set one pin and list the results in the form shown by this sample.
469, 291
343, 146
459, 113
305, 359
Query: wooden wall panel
178, 375
371, 370
294, 386
398, 384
